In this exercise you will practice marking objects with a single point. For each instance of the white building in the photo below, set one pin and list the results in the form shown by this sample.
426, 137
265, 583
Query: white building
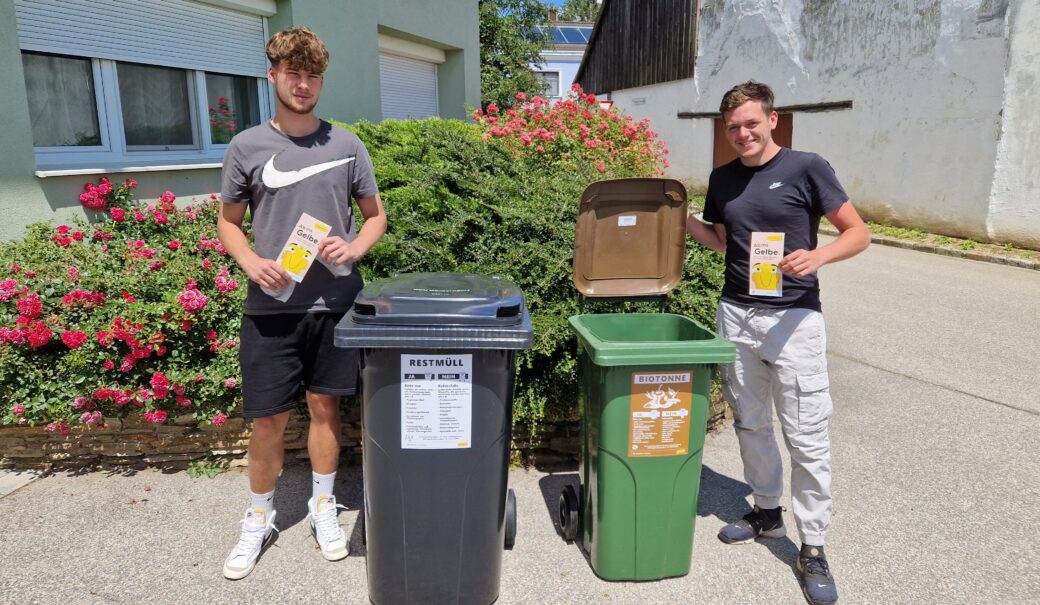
926, 108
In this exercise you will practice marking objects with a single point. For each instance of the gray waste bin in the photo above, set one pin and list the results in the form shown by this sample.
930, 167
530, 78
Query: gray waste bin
438, 358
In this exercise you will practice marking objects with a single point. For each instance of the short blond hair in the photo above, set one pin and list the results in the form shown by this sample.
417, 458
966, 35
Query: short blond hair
748, 91
298, 48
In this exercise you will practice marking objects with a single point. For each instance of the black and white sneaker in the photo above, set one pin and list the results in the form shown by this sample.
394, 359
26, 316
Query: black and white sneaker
760, 522
817, 581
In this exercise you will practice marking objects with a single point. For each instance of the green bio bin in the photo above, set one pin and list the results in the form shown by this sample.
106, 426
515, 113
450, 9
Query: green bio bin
644, 385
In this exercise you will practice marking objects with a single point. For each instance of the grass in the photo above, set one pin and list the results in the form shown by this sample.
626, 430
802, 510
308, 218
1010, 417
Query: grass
210, 466
900, 232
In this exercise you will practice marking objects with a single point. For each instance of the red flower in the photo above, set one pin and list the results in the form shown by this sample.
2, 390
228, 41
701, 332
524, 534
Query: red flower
74, 339
174, 244
219, 419
118, 214
155, 416
39, 335
30, 306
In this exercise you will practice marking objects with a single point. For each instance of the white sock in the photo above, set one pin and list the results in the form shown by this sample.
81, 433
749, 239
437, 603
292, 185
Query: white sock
262, 501
322, 485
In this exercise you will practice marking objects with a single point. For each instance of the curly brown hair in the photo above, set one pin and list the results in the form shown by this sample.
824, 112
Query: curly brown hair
748, 91
298, 48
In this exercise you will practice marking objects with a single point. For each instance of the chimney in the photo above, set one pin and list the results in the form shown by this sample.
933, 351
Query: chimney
552, 14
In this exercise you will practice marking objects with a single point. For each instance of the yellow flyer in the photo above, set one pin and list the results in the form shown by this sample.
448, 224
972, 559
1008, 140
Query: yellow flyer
299, 250
765, 253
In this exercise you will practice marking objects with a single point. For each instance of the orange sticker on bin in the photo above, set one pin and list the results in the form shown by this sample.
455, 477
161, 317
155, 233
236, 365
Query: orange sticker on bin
659, 421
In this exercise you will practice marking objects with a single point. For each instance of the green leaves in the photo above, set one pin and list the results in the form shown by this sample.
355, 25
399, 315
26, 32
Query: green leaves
457, 202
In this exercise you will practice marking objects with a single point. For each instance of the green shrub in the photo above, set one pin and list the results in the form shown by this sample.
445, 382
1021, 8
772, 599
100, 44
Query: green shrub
99, 320
459, 202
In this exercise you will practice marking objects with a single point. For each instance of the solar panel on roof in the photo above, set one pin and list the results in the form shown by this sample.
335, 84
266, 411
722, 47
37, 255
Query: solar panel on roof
572, 35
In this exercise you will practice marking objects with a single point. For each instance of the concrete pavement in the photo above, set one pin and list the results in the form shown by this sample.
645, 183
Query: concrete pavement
934, 445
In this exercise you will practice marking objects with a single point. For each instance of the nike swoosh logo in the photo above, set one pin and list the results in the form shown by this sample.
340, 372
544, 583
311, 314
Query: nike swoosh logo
775, 185
275, 179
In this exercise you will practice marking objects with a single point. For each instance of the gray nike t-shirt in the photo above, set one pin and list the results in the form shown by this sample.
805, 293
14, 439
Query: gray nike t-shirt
281, 177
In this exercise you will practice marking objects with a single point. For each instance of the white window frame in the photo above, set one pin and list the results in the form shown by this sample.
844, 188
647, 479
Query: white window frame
113, 155
559, 80
102, 118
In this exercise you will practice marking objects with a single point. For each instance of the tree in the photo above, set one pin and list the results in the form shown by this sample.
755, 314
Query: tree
509, 45
579, 10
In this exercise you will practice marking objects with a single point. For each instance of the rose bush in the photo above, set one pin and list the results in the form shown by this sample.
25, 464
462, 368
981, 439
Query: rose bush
137, 312
576, 134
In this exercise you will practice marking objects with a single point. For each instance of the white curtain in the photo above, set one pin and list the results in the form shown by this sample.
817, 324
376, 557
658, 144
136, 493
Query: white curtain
62, 107
156, 106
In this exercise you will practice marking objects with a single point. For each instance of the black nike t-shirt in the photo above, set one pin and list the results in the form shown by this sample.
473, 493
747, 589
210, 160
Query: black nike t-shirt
787, 194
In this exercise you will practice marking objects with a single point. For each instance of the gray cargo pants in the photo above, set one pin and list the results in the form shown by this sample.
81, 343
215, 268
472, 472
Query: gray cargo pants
781, 363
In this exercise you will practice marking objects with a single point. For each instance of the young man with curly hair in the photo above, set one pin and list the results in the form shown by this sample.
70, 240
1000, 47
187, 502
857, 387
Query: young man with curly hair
768, 202
295, 164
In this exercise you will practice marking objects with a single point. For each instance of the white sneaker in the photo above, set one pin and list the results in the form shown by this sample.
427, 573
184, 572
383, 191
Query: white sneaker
257, 531
326, 528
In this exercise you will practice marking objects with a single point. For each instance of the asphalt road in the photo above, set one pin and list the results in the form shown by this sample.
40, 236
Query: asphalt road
935, 440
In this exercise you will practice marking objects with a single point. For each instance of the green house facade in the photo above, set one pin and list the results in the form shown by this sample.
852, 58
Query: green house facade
152, 90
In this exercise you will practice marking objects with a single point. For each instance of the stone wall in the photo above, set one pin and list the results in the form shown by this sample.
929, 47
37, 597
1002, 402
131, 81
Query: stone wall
133, 442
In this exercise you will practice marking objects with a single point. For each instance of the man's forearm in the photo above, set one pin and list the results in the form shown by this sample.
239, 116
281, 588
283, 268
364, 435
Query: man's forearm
849, 243
236, 243
704, 234
370, 232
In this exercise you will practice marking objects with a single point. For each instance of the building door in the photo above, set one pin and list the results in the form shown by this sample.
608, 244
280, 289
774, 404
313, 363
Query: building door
725, 154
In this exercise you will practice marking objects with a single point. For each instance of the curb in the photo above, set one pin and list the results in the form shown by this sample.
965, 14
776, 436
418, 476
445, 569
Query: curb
885, 240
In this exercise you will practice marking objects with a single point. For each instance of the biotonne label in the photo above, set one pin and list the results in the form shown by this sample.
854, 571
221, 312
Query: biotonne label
436, 401
660, 414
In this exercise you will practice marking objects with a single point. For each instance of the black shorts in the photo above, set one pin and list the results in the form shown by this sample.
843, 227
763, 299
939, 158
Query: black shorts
279, 353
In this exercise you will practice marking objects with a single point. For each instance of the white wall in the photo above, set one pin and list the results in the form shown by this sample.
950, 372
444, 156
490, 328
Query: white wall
1014, 202
926, 78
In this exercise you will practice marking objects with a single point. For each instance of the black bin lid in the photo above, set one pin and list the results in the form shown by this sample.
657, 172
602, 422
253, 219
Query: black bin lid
439, 299
438, 310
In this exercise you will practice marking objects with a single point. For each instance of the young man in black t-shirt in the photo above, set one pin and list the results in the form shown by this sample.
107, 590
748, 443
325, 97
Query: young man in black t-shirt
765, 209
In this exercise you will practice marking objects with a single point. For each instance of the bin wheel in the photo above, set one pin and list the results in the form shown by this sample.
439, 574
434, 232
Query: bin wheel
510, 519
569, 514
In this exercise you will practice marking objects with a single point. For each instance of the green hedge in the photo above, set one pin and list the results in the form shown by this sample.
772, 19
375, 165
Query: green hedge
457, 202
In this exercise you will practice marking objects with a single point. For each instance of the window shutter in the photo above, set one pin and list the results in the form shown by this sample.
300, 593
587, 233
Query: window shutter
171, 33
408, 87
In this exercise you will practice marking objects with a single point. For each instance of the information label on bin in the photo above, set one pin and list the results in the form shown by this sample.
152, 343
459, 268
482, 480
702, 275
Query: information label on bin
436, 401
660, 414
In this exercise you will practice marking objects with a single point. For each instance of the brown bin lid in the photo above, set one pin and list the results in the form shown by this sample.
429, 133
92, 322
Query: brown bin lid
631, 238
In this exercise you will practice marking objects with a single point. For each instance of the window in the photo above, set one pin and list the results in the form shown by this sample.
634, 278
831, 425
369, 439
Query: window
62, 107
91, 112
550, 83
156, 104
234, 105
